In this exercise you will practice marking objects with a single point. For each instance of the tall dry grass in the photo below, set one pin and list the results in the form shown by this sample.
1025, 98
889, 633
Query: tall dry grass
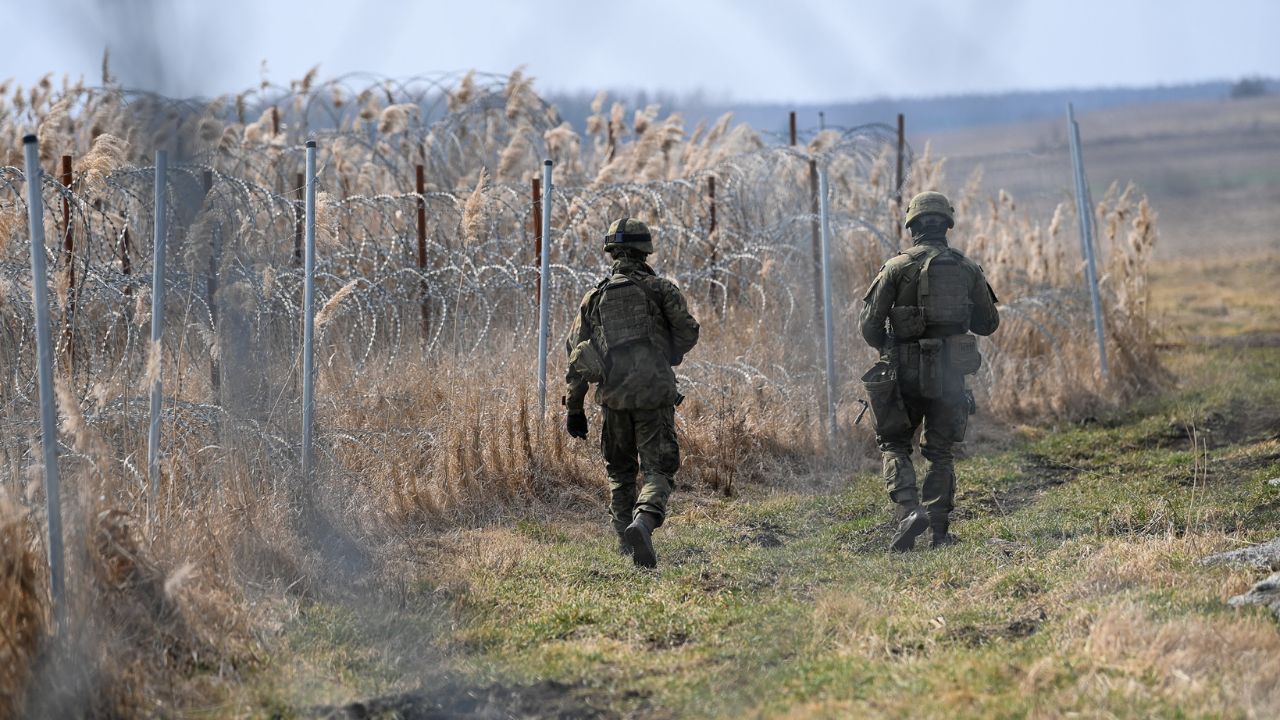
440, 428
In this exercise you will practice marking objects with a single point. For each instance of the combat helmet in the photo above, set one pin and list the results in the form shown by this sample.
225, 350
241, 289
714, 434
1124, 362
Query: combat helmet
930, 202
628, 233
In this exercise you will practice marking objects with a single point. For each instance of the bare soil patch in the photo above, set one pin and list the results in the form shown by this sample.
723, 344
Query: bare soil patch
539, 701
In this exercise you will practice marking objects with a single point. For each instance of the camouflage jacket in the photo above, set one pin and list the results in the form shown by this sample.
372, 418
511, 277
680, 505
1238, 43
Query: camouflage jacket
896, 285
639, 375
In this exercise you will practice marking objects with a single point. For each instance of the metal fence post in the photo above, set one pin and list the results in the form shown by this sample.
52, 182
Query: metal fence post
1084, 209
160, 224
544, 296
308, 314
44, 355
420, 184
828, 331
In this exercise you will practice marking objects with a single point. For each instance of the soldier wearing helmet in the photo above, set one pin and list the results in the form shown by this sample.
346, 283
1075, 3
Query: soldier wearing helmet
630, 331
919, 312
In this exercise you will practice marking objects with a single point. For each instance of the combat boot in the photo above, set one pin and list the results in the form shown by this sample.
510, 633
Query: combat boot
909, 528
941, 536
639, 535
624, 547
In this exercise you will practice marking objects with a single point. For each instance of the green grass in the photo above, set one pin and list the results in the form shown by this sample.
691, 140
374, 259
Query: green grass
784, 601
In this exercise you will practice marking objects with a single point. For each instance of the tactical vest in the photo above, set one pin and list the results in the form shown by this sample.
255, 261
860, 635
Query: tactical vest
942, 304
623, 312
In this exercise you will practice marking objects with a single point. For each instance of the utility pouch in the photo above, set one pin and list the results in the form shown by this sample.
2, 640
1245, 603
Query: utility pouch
907, 322
962, 353
932, 370
881, 383
586, 360
909, 367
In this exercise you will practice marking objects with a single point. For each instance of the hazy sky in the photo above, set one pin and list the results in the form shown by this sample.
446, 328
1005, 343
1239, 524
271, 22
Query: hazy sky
799, 51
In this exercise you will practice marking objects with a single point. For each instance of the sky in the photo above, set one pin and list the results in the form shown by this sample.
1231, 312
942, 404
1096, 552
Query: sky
802, 51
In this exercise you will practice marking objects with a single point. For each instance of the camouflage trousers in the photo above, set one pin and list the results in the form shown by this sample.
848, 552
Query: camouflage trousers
639, 442
945, 420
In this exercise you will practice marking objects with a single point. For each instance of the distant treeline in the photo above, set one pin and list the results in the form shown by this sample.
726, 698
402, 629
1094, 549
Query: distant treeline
924, 114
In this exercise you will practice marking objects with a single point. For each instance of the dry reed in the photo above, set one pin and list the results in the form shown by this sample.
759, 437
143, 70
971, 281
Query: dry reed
448, 435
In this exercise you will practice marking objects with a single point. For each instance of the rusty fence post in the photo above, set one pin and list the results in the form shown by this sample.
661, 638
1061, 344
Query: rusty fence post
211, 285
126, 264
711, 196
68, 261
537, 232
420, 182
300, 186
897, 191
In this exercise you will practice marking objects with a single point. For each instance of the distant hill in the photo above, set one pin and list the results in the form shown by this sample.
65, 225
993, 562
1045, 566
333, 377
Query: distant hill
924, 115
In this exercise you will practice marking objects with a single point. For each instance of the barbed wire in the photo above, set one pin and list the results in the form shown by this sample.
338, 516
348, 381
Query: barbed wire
459, 286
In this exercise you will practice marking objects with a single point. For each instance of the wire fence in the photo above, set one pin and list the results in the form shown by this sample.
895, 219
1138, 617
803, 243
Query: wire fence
734, 220
427, 255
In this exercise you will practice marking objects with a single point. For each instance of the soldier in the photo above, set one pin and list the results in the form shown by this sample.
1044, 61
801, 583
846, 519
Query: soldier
932, 297
630, 330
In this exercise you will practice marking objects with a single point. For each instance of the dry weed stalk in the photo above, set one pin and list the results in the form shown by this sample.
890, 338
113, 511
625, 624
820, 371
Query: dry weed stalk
23, 609
441, 434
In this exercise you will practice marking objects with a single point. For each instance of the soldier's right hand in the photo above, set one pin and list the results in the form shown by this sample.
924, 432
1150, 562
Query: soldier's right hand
576, 423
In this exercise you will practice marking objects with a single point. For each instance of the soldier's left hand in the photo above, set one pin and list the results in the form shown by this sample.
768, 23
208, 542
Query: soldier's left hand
576, 423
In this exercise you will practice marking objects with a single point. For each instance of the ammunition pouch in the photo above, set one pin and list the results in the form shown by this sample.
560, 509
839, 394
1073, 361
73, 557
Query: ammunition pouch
933, 369
962, 354
881, 384
907, 322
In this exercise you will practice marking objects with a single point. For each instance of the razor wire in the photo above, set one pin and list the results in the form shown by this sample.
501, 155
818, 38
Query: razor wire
234, 276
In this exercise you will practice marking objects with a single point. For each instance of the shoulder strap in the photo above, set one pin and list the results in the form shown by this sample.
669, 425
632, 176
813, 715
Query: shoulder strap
653, 297
922, 280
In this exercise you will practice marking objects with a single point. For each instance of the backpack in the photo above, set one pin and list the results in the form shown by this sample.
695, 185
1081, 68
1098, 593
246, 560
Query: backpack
942, 296
622, 312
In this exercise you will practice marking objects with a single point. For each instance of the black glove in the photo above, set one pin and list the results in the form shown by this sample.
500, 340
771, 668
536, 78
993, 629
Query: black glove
576, 423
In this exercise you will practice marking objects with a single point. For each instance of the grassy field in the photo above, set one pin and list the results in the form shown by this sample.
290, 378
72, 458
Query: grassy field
451, 539
1207, 166
1077, 587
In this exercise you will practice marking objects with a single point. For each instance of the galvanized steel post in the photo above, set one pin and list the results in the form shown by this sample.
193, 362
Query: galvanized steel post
544, 296
161, 227
1084, 209
828, 331
308, 311
44, 356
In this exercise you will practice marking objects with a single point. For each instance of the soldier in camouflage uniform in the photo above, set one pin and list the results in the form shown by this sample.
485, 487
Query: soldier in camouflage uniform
629, 332
932, 297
